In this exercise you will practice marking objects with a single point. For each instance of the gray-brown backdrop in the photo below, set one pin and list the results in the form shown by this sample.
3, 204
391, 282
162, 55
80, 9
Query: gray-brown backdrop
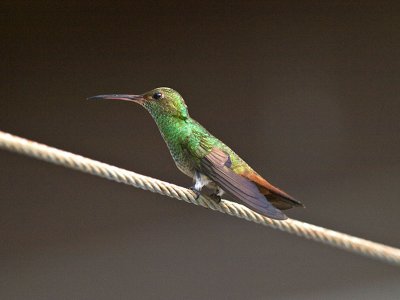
308, 94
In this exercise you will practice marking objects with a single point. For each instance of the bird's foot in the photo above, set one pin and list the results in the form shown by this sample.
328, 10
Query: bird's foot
196, 191
216, 198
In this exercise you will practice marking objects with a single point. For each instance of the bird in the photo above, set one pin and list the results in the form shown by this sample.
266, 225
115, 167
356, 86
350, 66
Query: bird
206, 159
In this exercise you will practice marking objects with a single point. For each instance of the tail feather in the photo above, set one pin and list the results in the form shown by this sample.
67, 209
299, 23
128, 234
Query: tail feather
277, 197
282, 202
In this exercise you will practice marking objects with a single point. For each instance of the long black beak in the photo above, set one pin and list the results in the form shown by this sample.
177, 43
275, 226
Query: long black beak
124, 97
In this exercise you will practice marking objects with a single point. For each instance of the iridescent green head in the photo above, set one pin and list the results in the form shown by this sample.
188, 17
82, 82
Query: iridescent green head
161, 101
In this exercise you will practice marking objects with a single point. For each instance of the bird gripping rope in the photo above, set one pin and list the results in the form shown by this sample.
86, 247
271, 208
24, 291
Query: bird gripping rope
73, 161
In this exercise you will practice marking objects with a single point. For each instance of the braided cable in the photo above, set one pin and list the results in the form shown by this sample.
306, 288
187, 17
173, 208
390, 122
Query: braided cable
73, 161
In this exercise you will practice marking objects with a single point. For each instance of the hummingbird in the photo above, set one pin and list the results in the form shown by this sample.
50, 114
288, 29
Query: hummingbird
207, 160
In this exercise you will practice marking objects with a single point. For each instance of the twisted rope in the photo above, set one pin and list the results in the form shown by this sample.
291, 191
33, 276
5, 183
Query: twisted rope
312, 232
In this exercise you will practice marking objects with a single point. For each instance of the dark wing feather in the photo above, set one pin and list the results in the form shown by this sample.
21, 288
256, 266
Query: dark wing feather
216, 166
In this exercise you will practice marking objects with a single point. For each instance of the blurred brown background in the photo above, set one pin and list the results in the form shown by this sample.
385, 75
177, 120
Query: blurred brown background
307, 93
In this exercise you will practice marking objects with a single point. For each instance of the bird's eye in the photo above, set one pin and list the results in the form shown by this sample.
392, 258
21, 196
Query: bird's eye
158, 96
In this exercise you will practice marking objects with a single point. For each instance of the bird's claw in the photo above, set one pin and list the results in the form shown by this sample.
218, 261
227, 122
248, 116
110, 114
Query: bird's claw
216, 198
194, 190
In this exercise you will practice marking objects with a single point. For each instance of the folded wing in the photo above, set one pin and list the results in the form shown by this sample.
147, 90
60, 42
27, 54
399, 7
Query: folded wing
216, 165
